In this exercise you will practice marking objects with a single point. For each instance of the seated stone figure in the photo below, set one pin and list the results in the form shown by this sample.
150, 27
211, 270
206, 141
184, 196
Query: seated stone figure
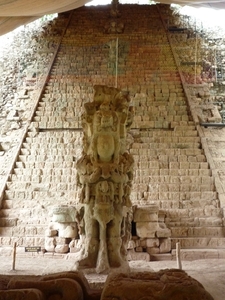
105, 175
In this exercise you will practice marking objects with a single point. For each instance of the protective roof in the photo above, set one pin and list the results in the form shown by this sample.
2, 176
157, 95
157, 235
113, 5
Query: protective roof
14, 13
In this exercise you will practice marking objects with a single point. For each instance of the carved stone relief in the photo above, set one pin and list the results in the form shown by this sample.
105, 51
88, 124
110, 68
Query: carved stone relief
114, 27
105, 175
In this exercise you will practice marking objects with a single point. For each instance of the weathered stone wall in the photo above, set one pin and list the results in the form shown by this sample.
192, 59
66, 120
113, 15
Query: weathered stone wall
172, 170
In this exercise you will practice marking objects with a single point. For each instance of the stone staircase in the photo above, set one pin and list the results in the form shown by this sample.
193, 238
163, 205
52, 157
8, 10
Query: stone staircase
171, 169
44, 176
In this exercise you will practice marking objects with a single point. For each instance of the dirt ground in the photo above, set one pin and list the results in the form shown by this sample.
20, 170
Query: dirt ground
209, 272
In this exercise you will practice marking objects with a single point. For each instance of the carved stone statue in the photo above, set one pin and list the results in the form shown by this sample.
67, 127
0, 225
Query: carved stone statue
105, 175
114, 12
113, 26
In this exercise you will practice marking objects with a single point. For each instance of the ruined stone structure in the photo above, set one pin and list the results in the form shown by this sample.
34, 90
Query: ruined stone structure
177, 189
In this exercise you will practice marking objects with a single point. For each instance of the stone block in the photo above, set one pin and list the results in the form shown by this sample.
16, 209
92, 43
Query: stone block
154, 242
146, 214
62, 240
146, 229
40, 241
132, 255
139, 249
211, 221
165, 245
152, 250
75, 245
62, 248
6, 241
67, 231
18, 231
163, 232
30, 230
50, 244
51, 232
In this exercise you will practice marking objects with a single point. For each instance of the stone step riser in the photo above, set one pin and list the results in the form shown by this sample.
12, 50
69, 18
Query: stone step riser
189, 154
209, 232
166, 203
22, 241
199, 243
164, 171
27, 203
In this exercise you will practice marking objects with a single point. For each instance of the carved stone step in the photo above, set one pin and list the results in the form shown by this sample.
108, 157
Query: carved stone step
177, 145
181, 200
149, 142
25, 217
165, 163
146, 137
48, 165
165, 204
180, 147
178, 215
19, 203
175, 187
24, 230
23, 241
160, 186
185, 179
199, 243
204, 231
45, 158
175, 172
181, 128
196, 221
14, 213
190, 254
46, 177
154, 153
22, 198
55, 171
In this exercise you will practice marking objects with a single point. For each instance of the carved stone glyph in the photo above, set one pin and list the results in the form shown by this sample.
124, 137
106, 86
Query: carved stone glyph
105, 175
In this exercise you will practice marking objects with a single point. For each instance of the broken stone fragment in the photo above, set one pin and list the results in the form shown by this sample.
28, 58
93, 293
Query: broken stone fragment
67, 230
62, 248
146, 229
148, 213
63, 214
51, 232
50, 244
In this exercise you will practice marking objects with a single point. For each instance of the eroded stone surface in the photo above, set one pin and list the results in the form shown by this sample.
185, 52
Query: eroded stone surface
66, 285
165, 284
22, 294
105, 174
